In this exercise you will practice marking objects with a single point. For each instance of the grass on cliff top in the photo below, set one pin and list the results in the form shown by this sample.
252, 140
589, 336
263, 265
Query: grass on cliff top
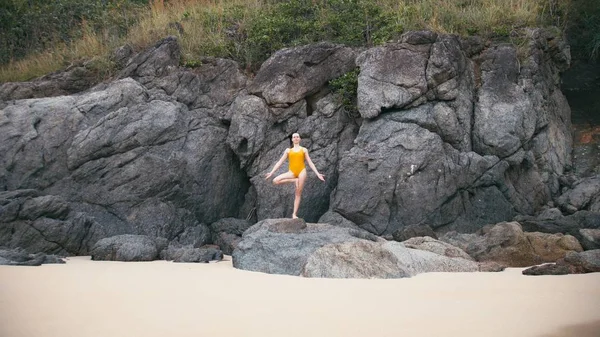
249, 31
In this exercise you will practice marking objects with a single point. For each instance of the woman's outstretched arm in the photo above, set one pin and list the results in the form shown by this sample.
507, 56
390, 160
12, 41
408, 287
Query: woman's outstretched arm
312, 166
281, 160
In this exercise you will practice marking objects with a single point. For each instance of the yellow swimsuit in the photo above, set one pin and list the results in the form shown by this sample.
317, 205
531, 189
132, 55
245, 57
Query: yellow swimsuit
296, 160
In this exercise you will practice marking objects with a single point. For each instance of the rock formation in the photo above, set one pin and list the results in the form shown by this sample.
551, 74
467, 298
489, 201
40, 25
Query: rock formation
454, 134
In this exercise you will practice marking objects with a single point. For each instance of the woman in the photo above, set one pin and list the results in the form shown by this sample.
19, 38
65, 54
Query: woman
297, 171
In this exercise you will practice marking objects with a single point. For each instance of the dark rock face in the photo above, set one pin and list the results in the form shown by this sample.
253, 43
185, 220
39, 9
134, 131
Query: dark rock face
153, 62
451, 142
227, 233
413, 231
287, 96
585, 195
129, 162
453, 134
45, 224
326, 133
196, 236
336, 219
394, 177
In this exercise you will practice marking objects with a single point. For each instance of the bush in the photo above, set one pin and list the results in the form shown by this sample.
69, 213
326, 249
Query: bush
346, 87
31, 26
296, 22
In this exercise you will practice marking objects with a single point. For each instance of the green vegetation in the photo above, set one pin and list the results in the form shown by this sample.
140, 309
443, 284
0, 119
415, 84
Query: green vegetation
50, 35
346, 86
583, 29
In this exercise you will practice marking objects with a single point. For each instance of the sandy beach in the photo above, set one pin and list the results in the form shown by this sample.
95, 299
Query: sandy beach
85, 298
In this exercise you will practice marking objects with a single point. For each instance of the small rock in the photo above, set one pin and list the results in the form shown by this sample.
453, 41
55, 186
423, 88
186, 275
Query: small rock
548, 269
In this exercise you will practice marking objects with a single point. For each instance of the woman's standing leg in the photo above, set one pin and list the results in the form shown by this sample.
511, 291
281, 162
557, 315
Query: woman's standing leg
298, 194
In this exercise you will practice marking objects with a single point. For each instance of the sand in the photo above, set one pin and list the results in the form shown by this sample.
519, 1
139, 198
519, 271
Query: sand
85, 298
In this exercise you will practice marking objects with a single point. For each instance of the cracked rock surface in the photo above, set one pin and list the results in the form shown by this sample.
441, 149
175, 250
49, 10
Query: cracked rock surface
453, 134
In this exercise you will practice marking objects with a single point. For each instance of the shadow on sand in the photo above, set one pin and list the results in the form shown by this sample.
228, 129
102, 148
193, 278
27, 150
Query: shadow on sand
589, 329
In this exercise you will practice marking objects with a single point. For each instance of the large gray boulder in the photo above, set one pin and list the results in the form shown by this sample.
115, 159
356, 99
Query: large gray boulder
436, 246
289, 95
367, 259
282, 246
292, 74
585, 195
360, 259
128, 248
191, 254
415, 261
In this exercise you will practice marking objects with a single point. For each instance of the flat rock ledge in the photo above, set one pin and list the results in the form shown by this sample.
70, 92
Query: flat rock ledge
293, 247
19, 257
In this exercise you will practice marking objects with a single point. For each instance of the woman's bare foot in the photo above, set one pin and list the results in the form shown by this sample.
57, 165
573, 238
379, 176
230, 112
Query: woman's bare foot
294, 216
